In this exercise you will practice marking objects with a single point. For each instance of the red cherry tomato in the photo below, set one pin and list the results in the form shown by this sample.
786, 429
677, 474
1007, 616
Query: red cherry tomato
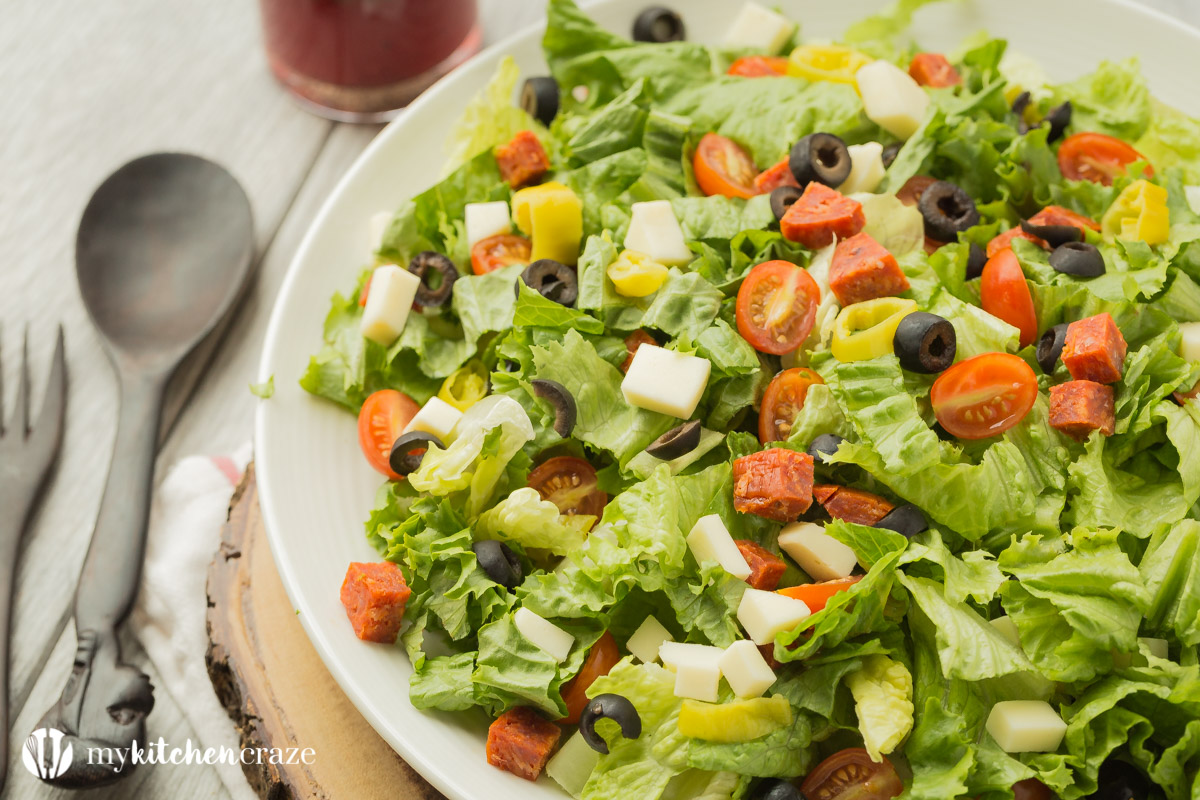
723, 167
380, 421
759, 67
933, 70
499, 251
913, 188
570, 483
1097, 158
1005, 295
600, 660
777, 306
851, 775
984, 396
773, 177
782, 403
632, 342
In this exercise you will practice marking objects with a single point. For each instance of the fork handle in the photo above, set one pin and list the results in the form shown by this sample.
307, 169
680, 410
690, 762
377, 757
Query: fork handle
109, 581
10, 529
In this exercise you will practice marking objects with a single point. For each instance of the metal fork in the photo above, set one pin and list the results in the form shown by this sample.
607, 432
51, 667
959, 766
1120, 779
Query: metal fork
26, 455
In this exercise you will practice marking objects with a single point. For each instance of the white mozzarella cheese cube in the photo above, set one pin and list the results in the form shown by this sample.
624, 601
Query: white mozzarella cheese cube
545, 635
654, 230
765, 614
1192, 193
709, 540
376, 228
1026, 726
823, 557
866, 168
1189, 343
486, 219
697, 669
665, 381
573, 764
1157, 647
1008, 629
748, 673
389, 302
648, 639
891, 98
759, 28
437, 417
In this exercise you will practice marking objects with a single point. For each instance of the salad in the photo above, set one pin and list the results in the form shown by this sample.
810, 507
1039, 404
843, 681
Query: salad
789, 419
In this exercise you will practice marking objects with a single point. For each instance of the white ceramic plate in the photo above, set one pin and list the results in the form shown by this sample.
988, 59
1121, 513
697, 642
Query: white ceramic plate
316, 488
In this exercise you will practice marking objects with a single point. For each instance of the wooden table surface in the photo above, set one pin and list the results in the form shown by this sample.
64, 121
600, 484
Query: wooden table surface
84, 88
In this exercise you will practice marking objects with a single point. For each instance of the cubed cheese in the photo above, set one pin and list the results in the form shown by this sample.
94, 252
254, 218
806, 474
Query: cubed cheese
654, 230
1008, 629
1189, 344
765, 614
759, 28
891, 98
545, 635
1026, 726
709, 540
376, 228
647, 639
486, 219
697, 669
572, 765
1156, 648
665, 381
437, 417
388, 303
748, 673
866, 168
823, 557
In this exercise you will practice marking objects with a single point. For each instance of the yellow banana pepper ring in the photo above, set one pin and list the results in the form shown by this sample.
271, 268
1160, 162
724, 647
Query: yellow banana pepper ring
865, 330
635, 274
466, 386
1139, 213
815, 62
552, 216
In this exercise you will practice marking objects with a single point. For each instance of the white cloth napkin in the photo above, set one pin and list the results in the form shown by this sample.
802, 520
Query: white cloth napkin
186, 516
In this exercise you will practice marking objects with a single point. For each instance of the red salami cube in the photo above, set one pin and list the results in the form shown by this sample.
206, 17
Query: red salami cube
521, 741
853, 505
523, 160
775, 483
820, 215
1094, 349
374, 596
863, 269
1079, 407
773, 177
766, 568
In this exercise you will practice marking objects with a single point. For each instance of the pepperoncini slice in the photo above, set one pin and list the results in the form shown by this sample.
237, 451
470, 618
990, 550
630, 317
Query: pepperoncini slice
865, 330
1139, 213
635, 274
466, 386
552, 216
815, 62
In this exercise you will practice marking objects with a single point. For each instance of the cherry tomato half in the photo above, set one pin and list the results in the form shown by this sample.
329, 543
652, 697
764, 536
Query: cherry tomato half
570, 483
380, 421
1005, 295
913, 188
816, 595
723, 167
984, 396
600, 660
1097, 158
632, 342
499, 251
759, 67
782, 402
851, 775
777, 306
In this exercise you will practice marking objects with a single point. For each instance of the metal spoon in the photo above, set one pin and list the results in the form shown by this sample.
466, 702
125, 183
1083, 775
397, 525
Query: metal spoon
163, 250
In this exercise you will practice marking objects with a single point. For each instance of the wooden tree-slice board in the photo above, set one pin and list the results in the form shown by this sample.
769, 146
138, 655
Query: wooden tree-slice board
279, 694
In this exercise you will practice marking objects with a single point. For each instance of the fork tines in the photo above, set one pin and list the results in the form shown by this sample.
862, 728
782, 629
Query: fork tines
38, 441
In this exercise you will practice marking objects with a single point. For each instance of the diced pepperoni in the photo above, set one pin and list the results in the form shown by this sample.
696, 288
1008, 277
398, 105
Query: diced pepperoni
934, 71
768, 653
823, 491
521, 741
1050, 215
1079, 407
772, 178
632, 342
374, 596
820, 215
766, 568
853, 505
775, 483
523, 160
1094, 349
863, 269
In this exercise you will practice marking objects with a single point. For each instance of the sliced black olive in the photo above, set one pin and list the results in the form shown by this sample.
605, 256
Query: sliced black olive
782, 199
947, 211
608, 706
539, 98
776, 789
565, 410
1053, 235
499, 562
1021, 102
820, 157
437, 274
906, 520
824, 446
676, 442
889, 155
1050, 347
553, 280
658, 25
1059, 118
1119, 780
925, 343
402, 459
976, 261
1078, 258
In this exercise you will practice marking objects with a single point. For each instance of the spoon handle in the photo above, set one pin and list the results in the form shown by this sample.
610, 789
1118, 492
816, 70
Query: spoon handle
109, 581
